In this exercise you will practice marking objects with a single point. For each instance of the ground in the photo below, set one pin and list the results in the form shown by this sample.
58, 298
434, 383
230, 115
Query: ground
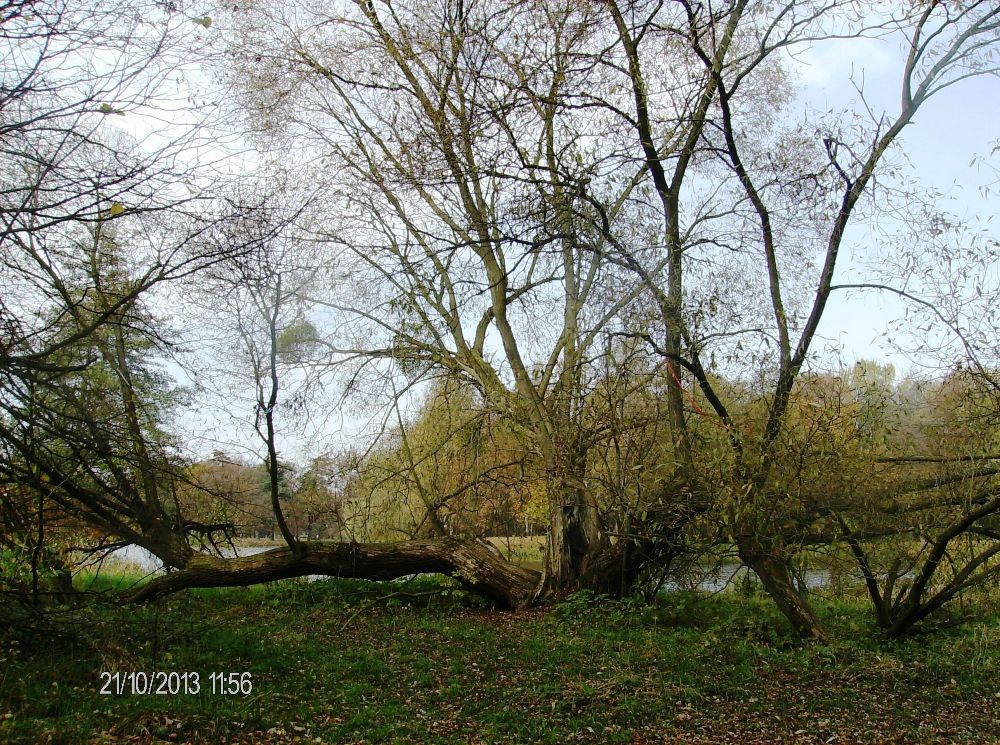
339, 662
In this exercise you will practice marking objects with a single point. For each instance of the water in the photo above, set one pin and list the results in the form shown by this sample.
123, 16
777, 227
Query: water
733, 575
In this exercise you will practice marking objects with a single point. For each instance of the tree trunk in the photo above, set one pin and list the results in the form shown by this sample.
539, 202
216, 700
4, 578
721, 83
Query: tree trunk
777, 581
477, 565
616, 570
575, 538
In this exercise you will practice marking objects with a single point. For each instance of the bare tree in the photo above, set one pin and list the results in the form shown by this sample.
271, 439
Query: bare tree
259, 294
458, 186
783, 199
69, 71
92, 223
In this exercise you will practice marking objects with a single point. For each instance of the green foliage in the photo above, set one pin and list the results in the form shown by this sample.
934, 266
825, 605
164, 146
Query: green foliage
297, 340
16, 569
579, 606
455, 467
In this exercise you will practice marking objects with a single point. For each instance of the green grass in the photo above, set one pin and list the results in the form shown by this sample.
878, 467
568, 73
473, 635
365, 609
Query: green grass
330, 662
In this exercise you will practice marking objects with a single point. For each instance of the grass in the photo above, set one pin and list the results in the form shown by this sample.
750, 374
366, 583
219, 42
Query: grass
337, 661
525, 550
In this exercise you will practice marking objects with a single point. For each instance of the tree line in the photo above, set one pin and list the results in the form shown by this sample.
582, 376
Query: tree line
598, 240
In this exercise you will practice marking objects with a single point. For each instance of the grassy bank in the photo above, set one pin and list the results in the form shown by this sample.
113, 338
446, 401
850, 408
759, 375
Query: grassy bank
337, 661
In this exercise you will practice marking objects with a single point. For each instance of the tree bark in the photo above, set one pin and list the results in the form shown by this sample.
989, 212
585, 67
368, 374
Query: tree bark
777, 581
575, 538
616, 570
477, 565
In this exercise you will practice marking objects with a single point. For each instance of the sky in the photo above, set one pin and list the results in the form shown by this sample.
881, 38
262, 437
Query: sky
953, 127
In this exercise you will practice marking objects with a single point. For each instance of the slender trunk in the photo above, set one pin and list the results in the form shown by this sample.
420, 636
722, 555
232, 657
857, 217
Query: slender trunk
777, 581
36, 551
274, 476
881, 602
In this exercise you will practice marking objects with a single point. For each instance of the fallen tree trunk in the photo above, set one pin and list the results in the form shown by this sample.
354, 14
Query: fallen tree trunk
477, 565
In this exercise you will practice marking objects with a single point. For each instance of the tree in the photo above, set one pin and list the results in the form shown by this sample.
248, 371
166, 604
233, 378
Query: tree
92, 225
65, 164
317, 502
454, 156
775, 210
260, 287
933, 506
452, 468
85, 429
221, 496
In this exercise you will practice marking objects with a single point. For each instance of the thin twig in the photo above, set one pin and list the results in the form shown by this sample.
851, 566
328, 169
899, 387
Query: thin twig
391, 595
